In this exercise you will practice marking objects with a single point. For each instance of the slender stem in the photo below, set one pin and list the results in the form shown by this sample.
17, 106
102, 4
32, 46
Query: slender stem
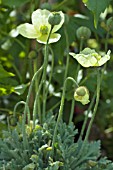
43, 80
86, 117
17, 72
60, 4
47, 88
61, 109
26, 107
106, 41
44, 83
81, 44
54, 106
73, 101
93, 116
95, 107
35, 70
67, 51
15, 108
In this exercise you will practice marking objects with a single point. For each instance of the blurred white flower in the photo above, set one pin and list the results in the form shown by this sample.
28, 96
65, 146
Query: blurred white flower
90, 58
40, 27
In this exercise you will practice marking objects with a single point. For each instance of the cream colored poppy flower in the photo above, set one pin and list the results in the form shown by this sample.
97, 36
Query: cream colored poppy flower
40, 27
90, 58
82, 95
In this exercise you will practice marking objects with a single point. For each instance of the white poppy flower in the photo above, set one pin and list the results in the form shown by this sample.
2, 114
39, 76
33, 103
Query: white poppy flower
82, 95
90, 58
40, 27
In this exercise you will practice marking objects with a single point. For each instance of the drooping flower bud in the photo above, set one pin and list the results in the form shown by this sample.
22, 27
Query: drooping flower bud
54, 18
13, 120
82, 95
83, 33
32, 54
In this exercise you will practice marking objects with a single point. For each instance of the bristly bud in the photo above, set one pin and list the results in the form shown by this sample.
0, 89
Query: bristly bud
54, 18
83, 33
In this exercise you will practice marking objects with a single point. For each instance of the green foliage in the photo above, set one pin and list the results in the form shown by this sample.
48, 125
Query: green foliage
13, 3
38, 155
97, 7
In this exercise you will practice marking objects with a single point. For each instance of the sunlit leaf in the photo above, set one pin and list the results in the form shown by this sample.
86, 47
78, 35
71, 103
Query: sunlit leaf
4, 73
97, 6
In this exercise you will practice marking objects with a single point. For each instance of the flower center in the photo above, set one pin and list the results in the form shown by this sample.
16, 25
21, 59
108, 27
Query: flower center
44, 29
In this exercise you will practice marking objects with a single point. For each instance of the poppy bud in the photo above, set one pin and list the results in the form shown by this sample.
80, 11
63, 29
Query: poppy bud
82, 95
54, 18
83, 33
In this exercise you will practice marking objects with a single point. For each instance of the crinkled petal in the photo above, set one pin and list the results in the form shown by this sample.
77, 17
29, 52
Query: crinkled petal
57, 27
53, 38
85, 99
103, 60
84, 60
40, 18
27, 30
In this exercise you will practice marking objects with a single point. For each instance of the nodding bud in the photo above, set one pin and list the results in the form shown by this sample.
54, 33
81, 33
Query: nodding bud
32, 54
13, 120
81, 91
54, 18
83, 33
110, 24
82, 95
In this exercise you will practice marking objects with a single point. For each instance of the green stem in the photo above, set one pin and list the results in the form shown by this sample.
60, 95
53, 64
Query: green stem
67, 51
17, 72
35, 70
86, 117
43, 81
95, 107
92, 119
60, 4
47, 88
26, 107
61, 110
106, 41
15, 108
73, 101
54, 106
